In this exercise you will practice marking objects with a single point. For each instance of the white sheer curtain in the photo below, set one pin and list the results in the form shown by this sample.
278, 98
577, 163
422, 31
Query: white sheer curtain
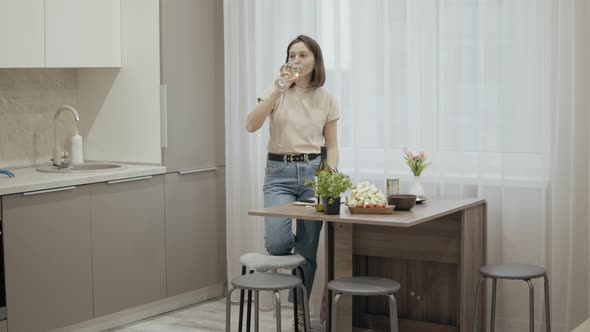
495, 91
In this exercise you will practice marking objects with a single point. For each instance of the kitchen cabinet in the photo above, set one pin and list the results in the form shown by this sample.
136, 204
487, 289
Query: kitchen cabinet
128, 252
60, 33
22, 33
3, 326
83, 33
48, 255
195, 230
192, 73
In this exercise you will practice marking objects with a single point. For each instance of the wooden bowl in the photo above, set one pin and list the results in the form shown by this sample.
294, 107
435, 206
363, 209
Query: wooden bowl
402, 202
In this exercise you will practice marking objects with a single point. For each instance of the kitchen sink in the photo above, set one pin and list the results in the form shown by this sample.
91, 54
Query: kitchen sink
82, 168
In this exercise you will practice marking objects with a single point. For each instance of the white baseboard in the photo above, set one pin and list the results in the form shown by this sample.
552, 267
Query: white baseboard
147, 310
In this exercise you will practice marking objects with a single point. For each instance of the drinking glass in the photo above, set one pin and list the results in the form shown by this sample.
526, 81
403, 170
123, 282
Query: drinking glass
290, 71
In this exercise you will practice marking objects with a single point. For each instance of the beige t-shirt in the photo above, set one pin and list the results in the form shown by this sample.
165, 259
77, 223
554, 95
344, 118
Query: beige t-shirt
298, 118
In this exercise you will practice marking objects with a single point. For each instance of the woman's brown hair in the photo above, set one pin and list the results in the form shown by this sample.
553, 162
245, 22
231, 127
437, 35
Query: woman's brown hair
318, 76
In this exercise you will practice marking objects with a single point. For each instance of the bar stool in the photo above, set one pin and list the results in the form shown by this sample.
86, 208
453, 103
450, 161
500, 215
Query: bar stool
255, 262
365, 286
513, 271
274, 282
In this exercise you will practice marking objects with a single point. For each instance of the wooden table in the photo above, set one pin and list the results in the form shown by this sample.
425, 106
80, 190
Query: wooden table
434, 251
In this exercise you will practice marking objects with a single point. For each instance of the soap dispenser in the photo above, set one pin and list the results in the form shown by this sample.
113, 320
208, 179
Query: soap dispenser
77, 149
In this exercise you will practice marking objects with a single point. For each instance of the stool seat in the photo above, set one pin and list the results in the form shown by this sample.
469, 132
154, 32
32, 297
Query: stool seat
275, 282
367, 286
264, 262
512, 271
364, 286
266, 281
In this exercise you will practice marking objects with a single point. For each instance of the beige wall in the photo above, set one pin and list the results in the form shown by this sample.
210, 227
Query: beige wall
28, 101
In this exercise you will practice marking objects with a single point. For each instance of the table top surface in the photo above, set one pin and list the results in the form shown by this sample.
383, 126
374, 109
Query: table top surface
584, 327
429, 210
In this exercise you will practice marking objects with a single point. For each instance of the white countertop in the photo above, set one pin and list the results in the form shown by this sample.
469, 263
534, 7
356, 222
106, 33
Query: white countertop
29, 179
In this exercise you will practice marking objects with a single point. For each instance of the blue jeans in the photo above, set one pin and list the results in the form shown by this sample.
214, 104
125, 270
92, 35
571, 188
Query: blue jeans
283, 184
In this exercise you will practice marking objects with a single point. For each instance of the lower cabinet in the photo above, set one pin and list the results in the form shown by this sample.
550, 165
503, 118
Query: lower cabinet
77, 253
48, 258
128, 248
195, 230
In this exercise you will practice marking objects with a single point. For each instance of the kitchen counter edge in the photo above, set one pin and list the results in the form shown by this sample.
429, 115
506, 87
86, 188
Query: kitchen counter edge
29, 179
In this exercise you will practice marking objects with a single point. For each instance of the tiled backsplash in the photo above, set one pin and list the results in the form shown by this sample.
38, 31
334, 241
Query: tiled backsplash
28, 101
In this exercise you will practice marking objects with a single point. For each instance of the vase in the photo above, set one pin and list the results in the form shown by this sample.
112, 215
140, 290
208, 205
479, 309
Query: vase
332, 208
417, 188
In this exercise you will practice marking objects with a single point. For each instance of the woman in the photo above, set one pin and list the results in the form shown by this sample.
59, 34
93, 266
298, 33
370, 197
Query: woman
302, 118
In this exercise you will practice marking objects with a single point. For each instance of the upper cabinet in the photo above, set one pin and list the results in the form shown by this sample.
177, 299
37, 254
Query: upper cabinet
193, 74
82, 33
22, 33
60, 33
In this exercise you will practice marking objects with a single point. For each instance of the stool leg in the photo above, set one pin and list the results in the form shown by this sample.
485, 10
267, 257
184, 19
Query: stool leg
256, 311
531, 306
493, 318
228, 310
393, 313
335, 298
302, 276
295, 320
477, 301
305, 309
274, 313
249, 315
241, 320
547, 302
278, 310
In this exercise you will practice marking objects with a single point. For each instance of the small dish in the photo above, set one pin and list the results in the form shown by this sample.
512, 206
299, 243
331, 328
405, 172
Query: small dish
388, 209
421, 199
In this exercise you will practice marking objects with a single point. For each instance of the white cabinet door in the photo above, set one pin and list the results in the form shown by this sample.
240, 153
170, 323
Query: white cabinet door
22, 34
83, 33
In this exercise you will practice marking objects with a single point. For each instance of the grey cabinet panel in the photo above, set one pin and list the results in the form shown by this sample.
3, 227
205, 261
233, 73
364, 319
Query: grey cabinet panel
195, 230
128, 255
47, 250
192, 68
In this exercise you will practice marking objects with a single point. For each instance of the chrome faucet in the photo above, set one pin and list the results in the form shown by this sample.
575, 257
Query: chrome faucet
58, 155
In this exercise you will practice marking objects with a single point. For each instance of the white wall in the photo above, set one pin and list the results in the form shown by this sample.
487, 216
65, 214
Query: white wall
122, 106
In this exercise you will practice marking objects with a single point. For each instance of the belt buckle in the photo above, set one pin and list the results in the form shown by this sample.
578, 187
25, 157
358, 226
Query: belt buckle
290, 158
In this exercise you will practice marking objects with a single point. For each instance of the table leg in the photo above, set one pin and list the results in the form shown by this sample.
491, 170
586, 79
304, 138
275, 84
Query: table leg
342, 267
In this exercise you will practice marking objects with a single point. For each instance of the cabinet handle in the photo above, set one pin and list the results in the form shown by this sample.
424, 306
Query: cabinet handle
30, 193
164, 115
202, 170
130, 180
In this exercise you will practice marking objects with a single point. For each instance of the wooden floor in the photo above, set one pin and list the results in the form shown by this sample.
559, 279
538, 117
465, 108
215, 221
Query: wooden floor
210, 316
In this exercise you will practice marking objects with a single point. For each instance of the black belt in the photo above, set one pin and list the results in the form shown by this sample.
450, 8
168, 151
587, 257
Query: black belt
294, 158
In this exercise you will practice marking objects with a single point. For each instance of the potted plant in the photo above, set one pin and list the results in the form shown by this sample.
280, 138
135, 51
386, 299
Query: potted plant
330, 185
417, 163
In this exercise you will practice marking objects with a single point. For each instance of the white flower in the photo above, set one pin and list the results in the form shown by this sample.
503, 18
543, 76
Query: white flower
365, 193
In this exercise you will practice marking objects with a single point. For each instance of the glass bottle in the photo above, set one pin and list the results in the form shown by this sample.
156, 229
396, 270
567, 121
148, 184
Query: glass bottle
323, 166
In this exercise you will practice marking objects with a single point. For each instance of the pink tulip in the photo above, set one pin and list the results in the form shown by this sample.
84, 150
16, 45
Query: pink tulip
408, 153
422, 155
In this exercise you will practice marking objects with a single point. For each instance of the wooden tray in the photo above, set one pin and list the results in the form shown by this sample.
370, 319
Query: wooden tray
386, 210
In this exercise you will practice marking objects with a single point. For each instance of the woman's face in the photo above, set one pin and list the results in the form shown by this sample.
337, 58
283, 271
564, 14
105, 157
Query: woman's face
300, 52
